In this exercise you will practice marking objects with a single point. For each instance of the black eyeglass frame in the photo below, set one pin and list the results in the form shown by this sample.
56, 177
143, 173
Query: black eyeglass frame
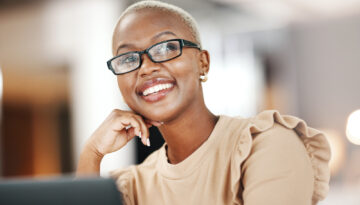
183, 43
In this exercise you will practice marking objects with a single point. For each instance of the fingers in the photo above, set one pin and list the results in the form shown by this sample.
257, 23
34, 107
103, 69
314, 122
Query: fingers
153, 123
117, 130
134, 125
126, 122
145, 135
129, 132
131, 125
150, 123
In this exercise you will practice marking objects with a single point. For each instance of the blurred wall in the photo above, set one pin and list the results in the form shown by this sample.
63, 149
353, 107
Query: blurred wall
35, 96
55, 52
328, 60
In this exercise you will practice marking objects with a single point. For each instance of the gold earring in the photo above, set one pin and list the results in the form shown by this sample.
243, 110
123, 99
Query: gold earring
203, 77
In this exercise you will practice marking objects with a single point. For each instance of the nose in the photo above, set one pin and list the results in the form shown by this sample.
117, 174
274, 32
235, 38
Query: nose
148, 67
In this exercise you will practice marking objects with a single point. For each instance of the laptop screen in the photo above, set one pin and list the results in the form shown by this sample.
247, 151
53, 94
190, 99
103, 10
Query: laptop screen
64, 191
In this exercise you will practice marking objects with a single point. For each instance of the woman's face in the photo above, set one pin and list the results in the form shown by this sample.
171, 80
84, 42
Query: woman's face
178, 79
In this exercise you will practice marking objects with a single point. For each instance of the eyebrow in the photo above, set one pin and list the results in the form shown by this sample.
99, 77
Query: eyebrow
157, 36
163, 33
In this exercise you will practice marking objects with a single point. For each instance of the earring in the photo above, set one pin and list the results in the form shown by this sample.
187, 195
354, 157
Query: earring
203, 77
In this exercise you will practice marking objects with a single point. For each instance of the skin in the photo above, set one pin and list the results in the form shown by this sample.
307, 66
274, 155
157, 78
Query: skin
181, 116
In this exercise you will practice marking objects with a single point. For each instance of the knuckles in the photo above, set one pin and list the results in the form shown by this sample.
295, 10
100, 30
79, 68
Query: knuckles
117, 115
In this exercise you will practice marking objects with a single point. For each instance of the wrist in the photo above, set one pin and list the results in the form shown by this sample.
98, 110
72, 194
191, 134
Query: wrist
93, 151
89, 162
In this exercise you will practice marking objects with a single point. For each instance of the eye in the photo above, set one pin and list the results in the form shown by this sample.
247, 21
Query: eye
171, 46
165, 48
129, 59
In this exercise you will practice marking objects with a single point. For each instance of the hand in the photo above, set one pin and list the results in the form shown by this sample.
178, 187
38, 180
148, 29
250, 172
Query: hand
117, 130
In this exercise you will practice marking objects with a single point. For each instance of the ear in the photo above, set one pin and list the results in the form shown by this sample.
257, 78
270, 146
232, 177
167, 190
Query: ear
204, 61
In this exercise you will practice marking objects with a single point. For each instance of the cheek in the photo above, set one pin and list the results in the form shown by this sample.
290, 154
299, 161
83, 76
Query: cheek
186, 73
126, 86
185, 66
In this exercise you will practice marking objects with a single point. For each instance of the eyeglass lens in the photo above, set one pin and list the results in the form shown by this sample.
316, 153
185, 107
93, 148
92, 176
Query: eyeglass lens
158, 53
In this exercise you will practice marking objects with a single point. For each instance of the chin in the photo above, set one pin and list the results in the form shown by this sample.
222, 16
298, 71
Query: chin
164, 113
160, 115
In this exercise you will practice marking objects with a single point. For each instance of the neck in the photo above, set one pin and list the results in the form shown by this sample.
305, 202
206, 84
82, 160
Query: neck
187, 132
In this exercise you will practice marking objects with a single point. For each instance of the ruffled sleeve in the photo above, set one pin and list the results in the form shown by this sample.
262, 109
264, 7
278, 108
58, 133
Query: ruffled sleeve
258, 139
124, 178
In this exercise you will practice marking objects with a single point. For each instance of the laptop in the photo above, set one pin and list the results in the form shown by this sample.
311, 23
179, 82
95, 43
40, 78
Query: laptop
60, 191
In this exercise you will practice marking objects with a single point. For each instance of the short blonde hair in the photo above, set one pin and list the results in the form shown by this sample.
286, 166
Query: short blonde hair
185, 17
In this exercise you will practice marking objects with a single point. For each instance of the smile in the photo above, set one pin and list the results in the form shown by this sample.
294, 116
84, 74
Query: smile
157, 88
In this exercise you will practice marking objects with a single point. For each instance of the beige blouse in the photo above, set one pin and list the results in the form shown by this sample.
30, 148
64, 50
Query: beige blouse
269, 159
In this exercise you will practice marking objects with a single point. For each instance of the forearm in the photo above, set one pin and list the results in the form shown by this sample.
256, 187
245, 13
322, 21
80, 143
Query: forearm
89, 162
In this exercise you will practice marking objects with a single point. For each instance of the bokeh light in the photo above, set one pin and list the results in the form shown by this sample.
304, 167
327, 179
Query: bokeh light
338, 150
353, 127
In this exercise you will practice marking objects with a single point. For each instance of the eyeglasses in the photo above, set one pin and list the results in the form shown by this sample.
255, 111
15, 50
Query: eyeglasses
158, 53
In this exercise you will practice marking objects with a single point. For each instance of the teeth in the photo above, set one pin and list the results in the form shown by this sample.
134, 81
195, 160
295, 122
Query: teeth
156, 88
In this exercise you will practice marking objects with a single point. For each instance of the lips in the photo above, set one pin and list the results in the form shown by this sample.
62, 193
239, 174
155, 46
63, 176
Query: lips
155, 89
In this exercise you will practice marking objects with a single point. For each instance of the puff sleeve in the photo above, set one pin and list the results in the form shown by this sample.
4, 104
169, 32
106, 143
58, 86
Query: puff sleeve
287, 162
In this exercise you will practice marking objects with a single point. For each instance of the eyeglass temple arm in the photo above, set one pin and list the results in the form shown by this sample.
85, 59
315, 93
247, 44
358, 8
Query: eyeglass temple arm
191, 44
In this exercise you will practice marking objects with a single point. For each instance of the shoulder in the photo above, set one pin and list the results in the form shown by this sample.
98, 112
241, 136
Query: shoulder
272, 128
282, 143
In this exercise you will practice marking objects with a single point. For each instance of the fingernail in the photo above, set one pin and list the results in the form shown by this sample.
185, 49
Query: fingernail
139, 135
148, 142
162, 123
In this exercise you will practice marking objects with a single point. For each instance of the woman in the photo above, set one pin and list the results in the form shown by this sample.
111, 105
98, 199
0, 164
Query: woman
206, 159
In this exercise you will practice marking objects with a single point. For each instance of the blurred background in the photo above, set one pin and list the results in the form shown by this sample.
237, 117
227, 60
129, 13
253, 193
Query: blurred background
301, 57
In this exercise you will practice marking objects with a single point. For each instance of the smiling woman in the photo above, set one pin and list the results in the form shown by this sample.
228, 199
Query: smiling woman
206, 159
